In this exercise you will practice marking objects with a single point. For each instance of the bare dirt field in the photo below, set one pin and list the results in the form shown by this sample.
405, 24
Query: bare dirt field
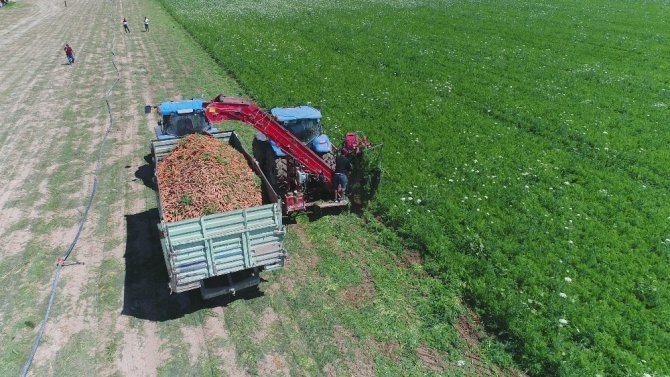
113, 313
54, 120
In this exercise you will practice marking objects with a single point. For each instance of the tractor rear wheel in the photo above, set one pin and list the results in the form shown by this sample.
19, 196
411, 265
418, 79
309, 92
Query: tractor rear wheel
277, 173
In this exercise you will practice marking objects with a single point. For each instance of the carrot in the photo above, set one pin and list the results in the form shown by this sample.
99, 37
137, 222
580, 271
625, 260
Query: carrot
202, 176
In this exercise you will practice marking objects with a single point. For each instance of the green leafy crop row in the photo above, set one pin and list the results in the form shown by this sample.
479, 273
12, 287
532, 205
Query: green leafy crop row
525, 150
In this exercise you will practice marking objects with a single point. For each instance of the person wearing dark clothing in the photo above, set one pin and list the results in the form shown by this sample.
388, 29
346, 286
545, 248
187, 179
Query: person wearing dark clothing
146, 24
69, 52
125, 25
342, 167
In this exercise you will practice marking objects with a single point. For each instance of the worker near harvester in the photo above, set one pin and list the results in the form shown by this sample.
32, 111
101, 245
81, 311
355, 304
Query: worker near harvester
342, 167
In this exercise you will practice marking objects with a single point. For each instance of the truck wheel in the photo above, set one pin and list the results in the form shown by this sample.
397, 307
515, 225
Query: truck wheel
329, 159
278, 173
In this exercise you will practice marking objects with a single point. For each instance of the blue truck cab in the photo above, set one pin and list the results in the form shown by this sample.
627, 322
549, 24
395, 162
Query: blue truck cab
305, 123
179, 118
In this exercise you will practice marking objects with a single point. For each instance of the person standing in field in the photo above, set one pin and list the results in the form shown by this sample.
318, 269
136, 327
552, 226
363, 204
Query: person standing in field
146, 24
125, 25
69, 52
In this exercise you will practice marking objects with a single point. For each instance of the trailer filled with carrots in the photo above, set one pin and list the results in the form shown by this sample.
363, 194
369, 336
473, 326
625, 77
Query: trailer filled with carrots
220, 219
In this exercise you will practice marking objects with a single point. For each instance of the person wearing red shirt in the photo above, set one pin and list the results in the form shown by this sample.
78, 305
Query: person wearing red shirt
69, 52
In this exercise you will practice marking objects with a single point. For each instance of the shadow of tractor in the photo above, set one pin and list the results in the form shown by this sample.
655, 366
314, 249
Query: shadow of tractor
145, 173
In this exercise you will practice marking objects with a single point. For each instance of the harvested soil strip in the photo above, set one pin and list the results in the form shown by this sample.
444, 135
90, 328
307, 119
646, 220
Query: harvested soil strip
203, 176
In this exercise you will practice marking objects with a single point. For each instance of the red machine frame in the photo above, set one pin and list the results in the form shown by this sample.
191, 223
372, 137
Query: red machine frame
240, 109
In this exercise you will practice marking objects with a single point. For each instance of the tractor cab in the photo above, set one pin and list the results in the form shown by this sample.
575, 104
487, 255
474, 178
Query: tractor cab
305, 123
179, 118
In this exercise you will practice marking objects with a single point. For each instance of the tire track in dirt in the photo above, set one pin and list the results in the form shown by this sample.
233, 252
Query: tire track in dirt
137, 52
139, 351
123, 141
25, 90
34, 101
137, 87
27, 18
32, 133
50, 87
82, 97
126, 142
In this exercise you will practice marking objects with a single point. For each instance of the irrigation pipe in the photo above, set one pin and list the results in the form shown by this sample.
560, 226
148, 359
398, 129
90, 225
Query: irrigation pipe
61, 260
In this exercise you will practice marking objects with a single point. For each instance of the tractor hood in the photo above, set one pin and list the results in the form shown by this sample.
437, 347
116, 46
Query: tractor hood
285, 114
174, 107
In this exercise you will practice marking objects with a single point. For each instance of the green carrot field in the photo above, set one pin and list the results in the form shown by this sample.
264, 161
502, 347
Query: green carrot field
525, 151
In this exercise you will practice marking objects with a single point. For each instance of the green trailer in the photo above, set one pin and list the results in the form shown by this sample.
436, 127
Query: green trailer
223, 252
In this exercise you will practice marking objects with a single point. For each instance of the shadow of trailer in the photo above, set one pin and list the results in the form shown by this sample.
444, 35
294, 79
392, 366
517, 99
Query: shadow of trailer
225, 252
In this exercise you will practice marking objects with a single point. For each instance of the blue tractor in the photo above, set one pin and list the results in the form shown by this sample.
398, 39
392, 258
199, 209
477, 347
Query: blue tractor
180, 118
305, 123
301, 173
